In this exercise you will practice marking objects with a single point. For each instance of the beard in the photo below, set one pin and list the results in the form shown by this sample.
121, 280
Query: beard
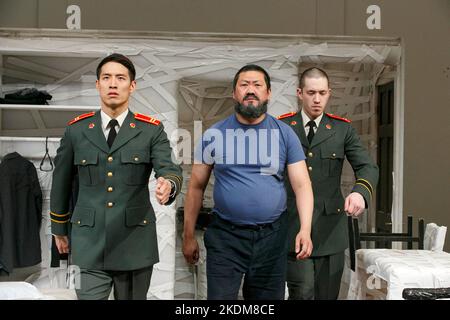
251, 111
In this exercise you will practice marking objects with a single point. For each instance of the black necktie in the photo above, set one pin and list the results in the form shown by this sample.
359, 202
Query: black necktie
112, 132
311, 125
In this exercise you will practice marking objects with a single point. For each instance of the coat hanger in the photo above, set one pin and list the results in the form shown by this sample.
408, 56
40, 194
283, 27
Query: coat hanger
46, 155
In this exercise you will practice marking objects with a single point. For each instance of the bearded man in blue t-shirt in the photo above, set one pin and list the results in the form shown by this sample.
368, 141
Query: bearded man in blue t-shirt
250, 153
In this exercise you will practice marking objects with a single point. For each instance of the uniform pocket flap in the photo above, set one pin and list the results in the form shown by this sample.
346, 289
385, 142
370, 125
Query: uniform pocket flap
84, 159
330, 153
83, 217
135, 156
139, 216
334, 206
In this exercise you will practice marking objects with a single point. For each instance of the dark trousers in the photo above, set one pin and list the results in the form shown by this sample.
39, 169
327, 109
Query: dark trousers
256, 253
316, 278
128, 285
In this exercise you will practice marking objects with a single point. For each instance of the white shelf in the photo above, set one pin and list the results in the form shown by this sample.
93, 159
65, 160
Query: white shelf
29, 120
28, 139
48, 107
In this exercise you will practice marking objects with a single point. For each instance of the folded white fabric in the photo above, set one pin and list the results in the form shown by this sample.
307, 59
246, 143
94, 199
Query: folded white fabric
434, 237
12, 290
59, 294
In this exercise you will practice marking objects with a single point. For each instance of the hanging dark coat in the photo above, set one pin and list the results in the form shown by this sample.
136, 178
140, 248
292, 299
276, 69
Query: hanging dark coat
20, 213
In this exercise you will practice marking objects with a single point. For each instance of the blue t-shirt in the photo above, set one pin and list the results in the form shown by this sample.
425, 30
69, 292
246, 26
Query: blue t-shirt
249, 165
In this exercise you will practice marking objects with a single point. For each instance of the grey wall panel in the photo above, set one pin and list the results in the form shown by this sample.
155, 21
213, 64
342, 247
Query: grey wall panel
52, 14
19, 13
330, 18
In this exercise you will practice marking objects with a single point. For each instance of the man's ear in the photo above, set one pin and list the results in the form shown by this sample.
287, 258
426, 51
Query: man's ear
300, 93
132, 86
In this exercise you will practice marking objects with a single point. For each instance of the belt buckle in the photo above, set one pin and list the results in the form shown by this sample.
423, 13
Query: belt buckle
259, 227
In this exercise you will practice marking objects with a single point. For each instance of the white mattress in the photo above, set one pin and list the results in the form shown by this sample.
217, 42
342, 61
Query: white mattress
21, 290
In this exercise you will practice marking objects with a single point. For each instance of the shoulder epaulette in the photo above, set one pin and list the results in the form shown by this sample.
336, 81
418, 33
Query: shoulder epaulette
287, 115
81, 117
148, 119
337, 117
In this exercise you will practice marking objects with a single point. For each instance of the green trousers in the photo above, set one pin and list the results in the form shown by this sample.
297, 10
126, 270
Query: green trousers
128, 285
317, 278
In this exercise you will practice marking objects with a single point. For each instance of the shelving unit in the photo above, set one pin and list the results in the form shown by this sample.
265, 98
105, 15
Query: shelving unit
17, 120
66, 75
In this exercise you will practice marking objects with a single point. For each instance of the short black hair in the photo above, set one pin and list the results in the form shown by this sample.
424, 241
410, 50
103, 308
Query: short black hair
312, 72
252, 67
119, 58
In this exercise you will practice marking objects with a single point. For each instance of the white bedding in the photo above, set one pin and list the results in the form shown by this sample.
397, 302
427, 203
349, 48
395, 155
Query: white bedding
21, 290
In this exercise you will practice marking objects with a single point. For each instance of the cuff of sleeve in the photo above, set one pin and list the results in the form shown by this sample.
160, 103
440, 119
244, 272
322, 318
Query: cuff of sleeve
59, 223
364, 190
173, 188
174, 180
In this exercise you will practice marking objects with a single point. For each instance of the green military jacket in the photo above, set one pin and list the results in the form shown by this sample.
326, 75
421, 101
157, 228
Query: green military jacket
113, 222
334, 140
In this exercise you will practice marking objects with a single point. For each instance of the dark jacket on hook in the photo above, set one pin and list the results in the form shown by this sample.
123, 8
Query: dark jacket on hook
20, 213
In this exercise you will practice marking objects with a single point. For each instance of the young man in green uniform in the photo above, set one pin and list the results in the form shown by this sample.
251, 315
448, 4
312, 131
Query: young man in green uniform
113, 225
326, 141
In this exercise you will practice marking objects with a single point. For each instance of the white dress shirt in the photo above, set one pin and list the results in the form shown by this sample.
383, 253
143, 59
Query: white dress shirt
306, 119
105, 121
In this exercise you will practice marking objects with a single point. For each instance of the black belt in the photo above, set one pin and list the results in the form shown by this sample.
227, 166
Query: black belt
254, 227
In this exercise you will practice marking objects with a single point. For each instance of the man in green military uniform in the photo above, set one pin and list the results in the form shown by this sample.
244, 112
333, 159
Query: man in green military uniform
326, 140
113, 225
